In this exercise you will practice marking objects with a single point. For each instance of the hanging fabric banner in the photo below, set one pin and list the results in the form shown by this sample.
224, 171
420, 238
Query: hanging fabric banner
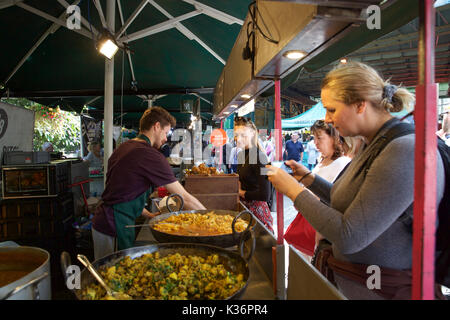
91, 130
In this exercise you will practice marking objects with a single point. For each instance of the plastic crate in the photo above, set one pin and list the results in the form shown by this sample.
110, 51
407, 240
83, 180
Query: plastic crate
11, 230
41, 157
26, 157
48, 207
17, 157
29, 228
46, 227
10, 211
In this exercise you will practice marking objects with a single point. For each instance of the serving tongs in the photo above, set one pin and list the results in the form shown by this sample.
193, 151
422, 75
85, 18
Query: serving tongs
179, 208
110, 292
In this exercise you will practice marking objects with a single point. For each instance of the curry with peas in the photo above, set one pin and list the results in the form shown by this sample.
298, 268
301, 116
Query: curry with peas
173, 277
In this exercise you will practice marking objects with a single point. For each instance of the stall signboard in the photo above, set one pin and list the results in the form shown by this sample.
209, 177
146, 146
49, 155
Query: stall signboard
91, 130
16, 128
218, 137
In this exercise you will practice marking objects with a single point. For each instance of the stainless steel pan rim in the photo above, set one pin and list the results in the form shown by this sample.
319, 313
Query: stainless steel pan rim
224, 241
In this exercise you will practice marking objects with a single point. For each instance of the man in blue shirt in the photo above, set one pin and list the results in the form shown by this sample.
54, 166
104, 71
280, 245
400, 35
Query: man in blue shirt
294, 148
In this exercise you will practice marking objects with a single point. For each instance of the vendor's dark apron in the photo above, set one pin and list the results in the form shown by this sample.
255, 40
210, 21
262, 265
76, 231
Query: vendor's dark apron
126, 213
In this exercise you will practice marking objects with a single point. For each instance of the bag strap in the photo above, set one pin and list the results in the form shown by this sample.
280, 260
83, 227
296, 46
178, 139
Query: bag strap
397, 130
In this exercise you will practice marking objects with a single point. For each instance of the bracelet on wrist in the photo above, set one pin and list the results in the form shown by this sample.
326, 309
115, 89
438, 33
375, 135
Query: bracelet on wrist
307, 174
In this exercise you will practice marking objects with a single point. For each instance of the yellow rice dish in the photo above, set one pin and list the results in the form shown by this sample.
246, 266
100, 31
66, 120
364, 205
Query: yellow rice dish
196, 224
174, 277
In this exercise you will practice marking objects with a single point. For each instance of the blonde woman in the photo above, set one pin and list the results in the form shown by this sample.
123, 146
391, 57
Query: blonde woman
254, 189
367, 213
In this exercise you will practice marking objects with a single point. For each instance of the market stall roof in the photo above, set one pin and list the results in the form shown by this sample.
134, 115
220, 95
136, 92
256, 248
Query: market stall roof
332, 30
392, 49
305, 119
394, 55
186, 45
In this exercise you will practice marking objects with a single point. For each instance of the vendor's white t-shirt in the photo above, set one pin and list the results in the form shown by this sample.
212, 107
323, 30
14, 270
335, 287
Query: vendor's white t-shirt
331, 171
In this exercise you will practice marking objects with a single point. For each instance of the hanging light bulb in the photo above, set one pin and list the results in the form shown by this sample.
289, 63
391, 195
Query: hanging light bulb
107, 46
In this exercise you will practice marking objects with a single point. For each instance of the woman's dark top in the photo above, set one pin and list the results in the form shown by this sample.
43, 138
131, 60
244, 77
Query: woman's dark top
253, 180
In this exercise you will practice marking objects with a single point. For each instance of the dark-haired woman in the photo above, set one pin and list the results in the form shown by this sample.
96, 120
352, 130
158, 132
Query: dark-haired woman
331, 163
327, 141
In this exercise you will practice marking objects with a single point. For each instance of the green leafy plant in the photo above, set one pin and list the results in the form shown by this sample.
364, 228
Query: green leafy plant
61, 128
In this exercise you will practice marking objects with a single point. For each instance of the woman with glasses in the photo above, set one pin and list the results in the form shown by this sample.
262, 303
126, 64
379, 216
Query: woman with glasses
367, 212
328, 142
331, 163
254, 189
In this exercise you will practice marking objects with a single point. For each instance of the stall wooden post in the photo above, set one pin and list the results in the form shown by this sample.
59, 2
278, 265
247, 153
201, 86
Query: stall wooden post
425, 161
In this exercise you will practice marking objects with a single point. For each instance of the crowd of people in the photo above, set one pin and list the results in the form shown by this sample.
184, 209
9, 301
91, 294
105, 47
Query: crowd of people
356, 197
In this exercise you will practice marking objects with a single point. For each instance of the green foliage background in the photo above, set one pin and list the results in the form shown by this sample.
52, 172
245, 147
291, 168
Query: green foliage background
61, 128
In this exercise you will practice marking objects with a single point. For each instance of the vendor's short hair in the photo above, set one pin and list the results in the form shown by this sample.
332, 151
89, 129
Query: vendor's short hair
153, 115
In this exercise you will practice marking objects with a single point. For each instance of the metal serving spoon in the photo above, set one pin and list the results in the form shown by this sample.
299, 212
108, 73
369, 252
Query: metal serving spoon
116, 295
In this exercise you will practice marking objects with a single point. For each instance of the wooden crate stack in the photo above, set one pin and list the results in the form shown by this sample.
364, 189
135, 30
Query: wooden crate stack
215, 192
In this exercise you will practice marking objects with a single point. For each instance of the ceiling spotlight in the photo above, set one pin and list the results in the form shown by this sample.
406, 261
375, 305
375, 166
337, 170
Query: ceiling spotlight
294, 54
233, 106
107, 46
226, 112
343, 61
245, 96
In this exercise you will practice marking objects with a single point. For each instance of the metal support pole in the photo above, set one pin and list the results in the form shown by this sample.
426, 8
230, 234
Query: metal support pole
279, 156
280, 251
221, 149
109, 91
425, 161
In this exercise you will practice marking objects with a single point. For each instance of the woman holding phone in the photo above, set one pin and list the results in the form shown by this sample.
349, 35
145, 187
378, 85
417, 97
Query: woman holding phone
254, 188
367, 212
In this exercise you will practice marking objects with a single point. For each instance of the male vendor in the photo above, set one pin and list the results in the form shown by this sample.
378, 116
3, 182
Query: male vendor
134, 167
